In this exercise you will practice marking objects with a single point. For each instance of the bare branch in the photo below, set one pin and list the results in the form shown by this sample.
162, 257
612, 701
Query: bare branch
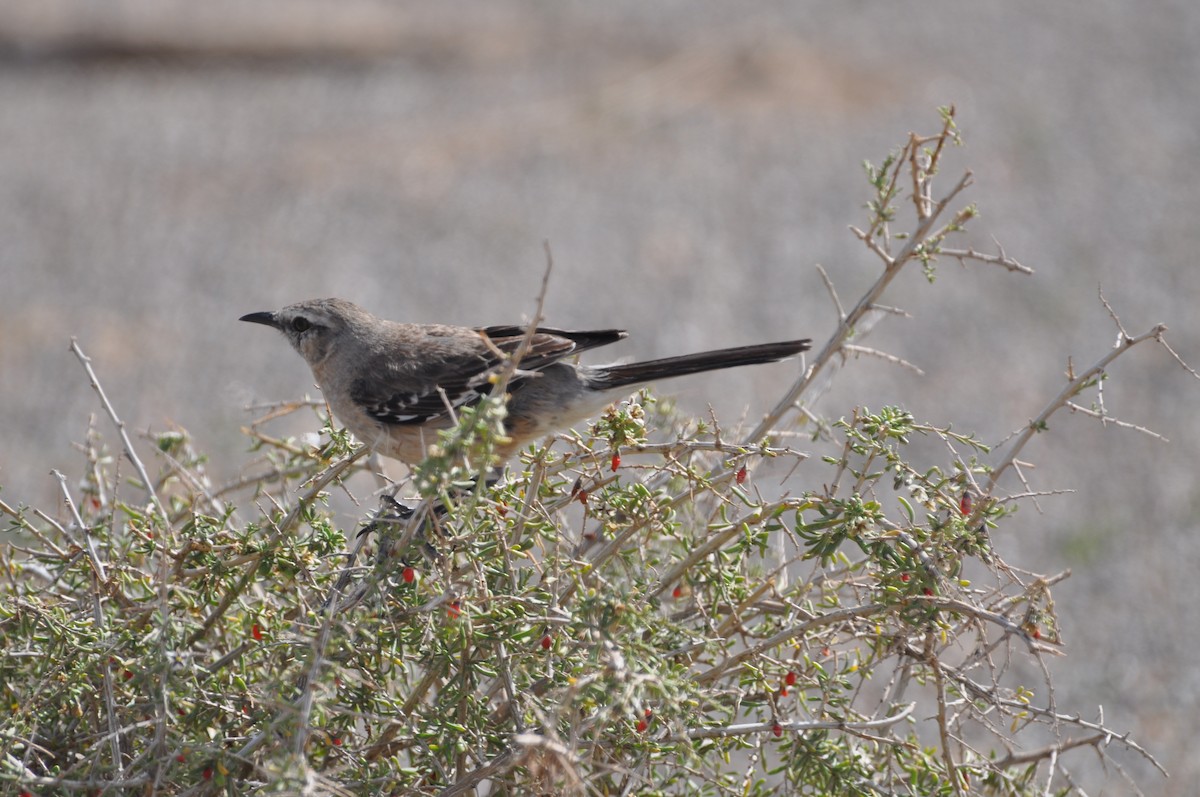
847, 329
1162, 342
850, 348
801, 726
1112, 314
130, 454
1108, 419
833, 294
1072, 388
1001, 259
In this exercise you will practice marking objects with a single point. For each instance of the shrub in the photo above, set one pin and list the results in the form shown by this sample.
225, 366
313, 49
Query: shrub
626, 612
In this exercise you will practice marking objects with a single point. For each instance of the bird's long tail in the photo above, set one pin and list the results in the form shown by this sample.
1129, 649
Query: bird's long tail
607, 377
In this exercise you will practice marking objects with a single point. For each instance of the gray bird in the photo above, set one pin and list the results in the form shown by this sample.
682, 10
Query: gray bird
394, 386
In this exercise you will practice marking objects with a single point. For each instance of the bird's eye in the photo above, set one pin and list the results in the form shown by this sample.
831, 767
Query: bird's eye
300, 324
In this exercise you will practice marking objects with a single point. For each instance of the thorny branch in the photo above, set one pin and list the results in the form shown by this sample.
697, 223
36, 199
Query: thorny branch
923, 243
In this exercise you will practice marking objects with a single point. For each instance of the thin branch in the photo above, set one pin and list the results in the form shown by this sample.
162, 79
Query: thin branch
1072, 388
497, 766
1001, 259
1163, 342
126, 443
833, 294
1112, 314
867, 351
892, 267
1030, 756
527, 339
939, 683
713, 542
1108, 419
308, 686
800, 726
832, 617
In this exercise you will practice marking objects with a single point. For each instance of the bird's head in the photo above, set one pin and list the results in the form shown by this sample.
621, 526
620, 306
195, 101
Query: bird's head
313, 327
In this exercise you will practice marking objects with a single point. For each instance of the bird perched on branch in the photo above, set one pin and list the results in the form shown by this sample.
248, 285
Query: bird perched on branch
394, 386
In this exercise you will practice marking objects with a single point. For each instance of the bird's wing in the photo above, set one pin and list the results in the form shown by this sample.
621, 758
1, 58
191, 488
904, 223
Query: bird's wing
456, 370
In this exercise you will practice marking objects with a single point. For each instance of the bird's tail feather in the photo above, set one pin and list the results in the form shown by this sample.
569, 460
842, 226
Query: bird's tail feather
607, 377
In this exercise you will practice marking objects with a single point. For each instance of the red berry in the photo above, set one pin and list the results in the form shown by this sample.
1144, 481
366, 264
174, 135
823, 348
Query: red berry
927, 591
453, 609
583, 496
1037, 633
790, 679
905, 577
337, 741
502, 508
783, 691
128, 674
677, 592
642, 725
740, 478
207, 773
547, 642
181, 758
965, 503
649, 713
777, 729
616, 461
256, 632
409, 575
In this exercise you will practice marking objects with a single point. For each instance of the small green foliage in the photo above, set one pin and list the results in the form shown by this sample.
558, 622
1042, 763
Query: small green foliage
882, 179
623, 424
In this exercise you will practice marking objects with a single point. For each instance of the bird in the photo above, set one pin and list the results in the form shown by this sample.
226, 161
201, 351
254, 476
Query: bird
395, 385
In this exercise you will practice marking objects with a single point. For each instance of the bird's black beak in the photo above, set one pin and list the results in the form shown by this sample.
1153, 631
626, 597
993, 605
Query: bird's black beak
261, 318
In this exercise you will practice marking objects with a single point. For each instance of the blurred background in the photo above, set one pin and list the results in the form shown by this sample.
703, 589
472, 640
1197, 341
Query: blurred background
166, 167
